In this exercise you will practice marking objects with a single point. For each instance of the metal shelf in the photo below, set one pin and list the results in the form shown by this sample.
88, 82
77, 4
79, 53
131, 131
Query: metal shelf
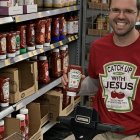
45, 13
4, 20
8, 110
10, 61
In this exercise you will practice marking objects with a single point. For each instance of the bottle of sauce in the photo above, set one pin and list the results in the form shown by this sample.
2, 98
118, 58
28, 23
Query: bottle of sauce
17, 42
11, 44
2, 46
56, 63
48, 32
40, 33
74, 78
70, 25
55, 30
21, 117
22, 29
2, 129
4, 91
24, 111
43, 70
63, 57
30, 37
62, 27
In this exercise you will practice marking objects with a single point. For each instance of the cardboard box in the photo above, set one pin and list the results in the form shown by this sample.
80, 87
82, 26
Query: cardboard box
55, 100
29, 8
23, 80
15, 10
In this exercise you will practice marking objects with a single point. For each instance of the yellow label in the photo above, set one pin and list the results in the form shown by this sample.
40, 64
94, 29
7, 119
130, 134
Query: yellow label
20, 57
61, 43
42, 50
35, 52
52, 46
69, 39
7, 62
17, 18
68, 9
76, 36
30, 54
72, 38
75, 8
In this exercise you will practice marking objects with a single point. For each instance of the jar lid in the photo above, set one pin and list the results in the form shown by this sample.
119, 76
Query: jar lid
63, 48
1, 122
21, 117
42, 57
56, 50
24, 111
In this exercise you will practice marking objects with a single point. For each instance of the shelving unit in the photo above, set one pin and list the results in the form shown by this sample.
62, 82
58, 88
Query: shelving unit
74, 42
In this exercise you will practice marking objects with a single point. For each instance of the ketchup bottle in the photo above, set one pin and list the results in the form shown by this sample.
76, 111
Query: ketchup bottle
74, 78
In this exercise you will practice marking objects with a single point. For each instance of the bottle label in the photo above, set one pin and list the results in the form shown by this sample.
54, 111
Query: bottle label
58, 65
3, 44
17, 41
5, 89
13, 42
74, 77
76, 27
70, 27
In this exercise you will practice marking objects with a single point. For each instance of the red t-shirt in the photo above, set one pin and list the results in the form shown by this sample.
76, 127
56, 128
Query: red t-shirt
118, 96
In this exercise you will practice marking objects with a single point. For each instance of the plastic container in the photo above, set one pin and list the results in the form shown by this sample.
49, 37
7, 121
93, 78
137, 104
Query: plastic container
24, 111
74, 78
2, 46
56, 63
43, 70
4, 91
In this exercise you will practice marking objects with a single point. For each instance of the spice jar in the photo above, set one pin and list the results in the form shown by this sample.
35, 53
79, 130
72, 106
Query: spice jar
74, 78
22, 30
24, 111
48, 32
11, 44
62, 27
55, 30
30, 37
56, 63
2, 46
2, 129
4, 91
43, 70
21, 117
17, 42
40, 33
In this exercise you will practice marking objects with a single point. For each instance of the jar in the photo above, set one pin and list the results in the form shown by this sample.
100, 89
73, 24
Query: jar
24, 111
21, 117
66, 3
63, 57
58, 3
43, 70
2, 129
48, 3
22, 30
56, 63
70, 24
2, 46
17, 42
62, 27
55, 30
30, 37
74, 78
11, 44
4, 91
48, 32
40, 33
75, 24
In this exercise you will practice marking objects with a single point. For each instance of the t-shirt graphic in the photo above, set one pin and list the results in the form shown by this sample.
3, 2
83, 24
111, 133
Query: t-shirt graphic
119, 84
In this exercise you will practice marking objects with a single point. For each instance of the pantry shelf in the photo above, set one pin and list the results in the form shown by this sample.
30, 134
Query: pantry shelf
45, 13
10, 61
4, 20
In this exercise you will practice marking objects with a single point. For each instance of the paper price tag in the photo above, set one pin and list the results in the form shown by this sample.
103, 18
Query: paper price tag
61, 43
69, 39
42, 50
17, 18
20, 57
75, 8
68, 9
7, 62
72, 38
52, 46
35, 52
30, 54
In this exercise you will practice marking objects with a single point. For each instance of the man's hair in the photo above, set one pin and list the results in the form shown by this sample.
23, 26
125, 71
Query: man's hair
138, 4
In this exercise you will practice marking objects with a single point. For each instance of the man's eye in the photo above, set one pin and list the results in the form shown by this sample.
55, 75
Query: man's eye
128, 11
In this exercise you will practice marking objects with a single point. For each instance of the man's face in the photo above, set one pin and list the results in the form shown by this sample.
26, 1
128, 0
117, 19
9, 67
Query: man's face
123, 16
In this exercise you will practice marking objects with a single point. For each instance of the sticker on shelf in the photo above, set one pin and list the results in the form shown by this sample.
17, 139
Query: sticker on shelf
30, 54
41, 50
20, 57
52, 46
61, 43
72, 38
69, 39
75, 8
35, 52
7, 62
68, 9
17, 18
